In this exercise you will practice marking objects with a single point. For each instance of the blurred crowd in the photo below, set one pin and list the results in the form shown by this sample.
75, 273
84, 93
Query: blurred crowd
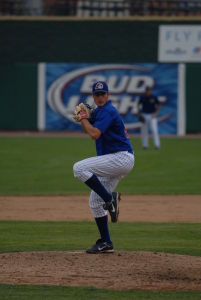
104, 8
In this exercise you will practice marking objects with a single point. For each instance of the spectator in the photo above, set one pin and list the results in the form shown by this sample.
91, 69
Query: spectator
32, 7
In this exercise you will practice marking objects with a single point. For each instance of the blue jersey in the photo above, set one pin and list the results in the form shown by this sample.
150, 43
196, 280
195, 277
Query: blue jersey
114, 137
149, 104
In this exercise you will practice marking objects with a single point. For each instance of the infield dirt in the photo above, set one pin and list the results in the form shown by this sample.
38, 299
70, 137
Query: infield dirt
121, 270
133, 208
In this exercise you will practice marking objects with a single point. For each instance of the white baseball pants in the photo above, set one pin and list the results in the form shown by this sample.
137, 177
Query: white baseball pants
151, 123
109, 169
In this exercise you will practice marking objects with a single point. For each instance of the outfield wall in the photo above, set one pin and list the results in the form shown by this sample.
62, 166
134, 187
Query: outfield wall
26, 43
18, 96
193, 97
78, 41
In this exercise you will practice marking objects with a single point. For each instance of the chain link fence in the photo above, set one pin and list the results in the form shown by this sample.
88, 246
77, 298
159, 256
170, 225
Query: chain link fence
100, 8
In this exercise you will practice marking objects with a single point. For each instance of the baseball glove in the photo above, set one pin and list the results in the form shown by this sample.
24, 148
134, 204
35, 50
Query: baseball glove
141, 118
82, 111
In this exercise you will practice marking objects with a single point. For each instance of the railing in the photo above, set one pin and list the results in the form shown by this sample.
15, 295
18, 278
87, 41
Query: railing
100, 8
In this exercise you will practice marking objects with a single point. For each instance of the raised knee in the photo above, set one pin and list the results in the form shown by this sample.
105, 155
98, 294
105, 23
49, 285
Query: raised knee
77, 170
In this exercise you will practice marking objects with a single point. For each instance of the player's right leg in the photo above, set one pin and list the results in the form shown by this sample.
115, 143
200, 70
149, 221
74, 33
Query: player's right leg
145, 133
154, 128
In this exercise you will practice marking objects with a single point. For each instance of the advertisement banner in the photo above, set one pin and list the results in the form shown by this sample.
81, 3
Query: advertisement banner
179, 43
63, 86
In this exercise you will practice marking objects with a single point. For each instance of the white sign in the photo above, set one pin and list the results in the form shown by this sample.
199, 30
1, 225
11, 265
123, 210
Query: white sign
179, 43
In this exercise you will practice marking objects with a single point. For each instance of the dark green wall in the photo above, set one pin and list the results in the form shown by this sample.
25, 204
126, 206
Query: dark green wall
193, 97
76, 41
18, 96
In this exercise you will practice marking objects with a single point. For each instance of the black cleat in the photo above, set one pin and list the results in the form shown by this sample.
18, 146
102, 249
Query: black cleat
101, 247
113, 206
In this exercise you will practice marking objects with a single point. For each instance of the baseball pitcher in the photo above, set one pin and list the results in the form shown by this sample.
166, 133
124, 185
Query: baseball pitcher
114, 160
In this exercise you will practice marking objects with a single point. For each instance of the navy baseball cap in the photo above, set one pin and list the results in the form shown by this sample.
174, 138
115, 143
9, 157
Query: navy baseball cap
100, 86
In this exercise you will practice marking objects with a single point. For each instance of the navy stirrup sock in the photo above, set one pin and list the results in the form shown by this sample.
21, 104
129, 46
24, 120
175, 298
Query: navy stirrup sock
102, 224
95, 184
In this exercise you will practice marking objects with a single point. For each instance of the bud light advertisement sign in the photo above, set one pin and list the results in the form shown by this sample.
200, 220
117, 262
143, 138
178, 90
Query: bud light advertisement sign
67, 85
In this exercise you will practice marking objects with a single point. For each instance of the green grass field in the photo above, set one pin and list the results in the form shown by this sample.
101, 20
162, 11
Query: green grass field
24, 292
43, 166
44, 236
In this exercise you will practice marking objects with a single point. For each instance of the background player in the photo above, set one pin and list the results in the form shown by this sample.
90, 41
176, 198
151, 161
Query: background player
149, 107
114, 160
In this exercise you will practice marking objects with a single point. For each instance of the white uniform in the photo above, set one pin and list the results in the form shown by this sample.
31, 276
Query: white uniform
149, 105
109, 169
150, 122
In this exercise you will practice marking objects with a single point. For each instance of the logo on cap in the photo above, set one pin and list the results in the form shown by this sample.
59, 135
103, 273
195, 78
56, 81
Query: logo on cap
99, 86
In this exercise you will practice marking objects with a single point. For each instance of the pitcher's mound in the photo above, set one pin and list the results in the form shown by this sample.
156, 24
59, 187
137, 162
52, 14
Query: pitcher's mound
120, 270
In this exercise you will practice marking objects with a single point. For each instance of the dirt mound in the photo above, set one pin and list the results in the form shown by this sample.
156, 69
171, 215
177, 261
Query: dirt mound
119, 271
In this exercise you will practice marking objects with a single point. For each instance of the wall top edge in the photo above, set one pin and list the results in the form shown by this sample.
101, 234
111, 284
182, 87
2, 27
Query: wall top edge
100, 19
